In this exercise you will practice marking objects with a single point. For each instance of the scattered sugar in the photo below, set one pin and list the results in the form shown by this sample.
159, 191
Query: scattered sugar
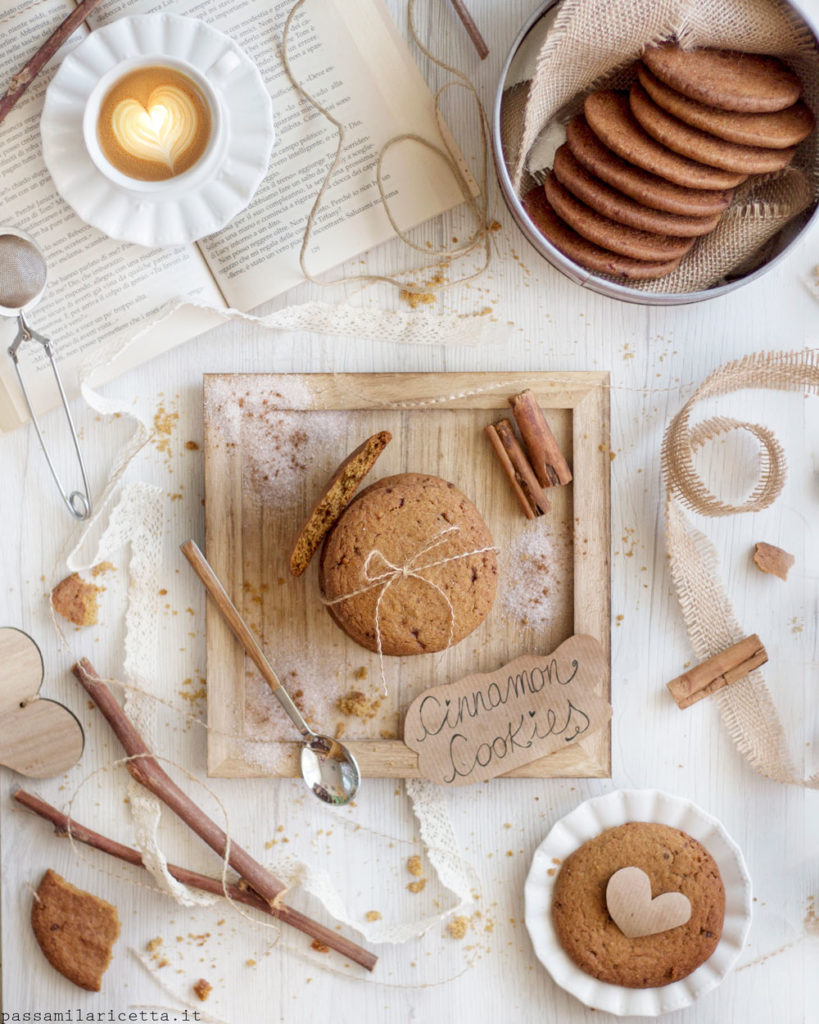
533, 572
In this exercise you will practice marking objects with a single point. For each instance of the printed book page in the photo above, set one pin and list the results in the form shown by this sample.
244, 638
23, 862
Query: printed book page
97, 288
351, 57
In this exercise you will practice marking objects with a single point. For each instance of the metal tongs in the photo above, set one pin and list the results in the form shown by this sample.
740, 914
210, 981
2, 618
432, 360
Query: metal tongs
22, 283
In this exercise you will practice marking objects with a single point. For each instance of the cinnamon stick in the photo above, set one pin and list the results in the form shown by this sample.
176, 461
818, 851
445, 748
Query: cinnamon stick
65, 826
723, 669
472, 29
23, 79
517, 467
551, 468
144, 767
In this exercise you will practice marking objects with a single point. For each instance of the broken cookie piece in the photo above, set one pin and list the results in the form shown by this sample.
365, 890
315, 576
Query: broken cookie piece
76, 600
75, 930
771, 559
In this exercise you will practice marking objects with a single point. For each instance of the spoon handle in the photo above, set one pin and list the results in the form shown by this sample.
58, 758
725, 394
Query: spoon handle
242, 632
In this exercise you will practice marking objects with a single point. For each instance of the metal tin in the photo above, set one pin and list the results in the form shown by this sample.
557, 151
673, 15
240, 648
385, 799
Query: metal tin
585, 278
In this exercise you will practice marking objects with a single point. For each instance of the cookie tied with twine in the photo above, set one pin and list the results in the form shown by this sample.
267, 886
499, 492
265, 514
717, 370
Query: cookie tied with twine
410, 567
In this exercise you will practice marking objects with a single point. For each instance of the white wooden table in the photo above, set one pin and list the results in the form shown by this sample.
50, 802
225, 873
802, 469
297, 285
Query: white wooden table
539, 321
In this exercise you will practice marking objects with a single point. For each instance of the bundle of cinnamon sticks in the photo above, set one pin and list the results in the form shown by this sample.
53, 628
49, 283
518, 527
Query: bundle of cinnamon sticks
540, 465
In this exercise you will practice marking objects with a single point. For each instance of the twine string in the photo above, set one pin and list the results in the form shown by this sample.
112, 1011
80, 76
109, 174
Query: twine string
478, 205
393, 572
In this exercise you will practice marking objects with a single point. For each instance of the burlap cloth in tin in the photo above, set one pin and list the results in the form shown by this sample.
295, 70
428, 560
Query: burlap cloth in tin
593, 43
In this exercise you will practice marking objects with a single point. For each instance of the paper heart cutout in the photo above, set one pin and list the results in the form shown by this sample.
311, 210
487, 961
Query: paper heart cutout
628, 898
161, 131
38, 737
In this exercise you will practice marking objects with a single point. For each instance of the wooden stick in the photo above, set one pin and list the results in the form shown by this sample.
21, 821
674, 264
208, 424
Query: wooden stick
471, 28
546, 458
65, 826
723, 669
146, 770
23, 79
517, 467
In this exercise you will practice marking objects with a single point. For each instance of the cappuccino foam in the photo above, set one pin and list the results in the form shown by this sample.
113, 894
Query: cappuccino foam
154, 124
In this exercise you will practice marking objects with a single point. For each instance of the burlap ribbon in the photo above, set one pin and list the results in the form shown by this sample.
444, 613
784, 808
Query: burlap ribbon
746, 706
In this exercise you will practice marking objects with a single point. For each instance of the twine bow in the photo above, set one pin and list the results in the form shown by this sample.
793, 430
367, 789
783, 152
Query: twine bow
390, 572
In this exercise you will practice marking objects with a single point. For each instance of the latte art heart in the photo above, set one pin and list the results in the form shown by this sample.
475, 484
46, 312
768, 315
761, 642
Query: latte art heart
154, 123
163, 132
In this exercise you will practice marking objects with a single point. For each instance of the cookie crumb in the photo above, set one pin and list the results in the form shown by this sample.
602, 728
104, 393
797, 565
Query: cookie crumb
373, 915
202, 988
457, 927
418, 885
414, 865
771, 559
319, 947
357, 705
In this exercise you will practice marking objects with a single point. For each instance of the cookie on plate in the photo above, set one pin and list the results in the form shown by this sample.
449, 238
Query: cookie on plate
75, 930
410, 561
750, 83
674, 862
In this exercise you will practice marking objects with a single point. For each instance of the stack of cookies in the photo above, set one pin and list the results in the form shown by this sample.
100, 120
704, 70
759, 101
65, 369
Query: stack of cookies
643, 174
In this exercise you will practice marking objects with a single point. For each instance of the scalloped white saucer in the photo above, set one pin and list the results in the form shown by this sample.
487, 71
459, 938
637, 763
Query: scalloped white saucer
136, 216
589, 820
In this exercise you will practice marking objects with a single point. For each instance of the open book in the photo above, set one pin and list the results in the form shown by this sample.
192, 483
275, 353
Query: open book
351, 53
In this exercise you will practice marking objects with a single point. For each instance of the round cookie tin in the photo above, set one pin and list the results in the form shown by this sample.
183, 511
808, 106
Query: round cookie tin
587, 821
588, 279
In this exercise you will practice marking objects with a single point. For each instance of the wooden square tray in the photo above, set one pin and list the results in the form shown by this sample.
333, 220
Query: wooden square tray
272, 442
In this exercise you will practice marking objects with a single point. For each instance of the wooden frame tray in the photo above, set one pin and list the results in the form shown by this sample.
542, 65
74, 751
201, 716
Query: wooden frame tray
272, 442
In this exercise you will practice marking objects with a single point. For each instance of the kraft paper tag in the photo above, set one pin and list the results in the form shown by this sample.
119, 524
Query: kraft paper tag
487, 724
629, 902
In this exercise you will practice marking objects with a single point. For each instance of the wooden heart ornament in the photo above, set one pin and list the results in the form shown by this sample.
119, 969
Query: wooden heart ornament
38, 737
628, 898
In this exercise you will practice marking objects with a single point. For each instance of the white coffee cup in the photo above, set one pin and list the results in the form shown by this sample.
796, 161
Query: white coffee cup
207, 82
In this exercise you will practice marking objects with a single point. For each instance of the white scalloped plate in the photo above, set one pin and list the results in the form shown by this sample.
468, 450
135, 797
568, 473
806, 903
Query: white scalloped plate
139, 217
589, 820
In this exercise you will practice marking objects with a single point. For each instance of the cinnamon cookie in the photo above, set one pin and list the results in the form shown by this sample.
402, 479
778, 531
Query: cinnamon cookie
705, 148
610, 203
777, 130
747, 82
640, 245
611, 120
674, 862
585, 253
411, 562
639, 184
75, 930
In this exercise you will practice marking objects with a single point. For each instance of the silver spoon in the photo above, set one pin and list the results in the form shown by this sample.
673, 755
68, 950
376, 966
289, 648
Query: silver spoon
327, 766
22, 283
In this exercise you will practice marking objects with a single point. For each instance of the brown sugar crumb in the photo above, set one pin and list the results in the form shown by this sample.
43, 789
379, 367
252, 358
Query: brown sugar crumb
414, 865
358, 705
417, 885
76, 600
192, 446
319, 947
373, 915
202, 988
457, 927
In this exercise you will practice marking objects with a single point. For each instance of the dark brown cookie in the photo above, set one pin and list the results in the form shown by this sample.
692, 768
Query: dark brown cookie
777, 130
674, 862
702, 147
611, 120
747, 82
75, 930
640, 245
408, 540
336, 495
645, 187
585, 253
620, 208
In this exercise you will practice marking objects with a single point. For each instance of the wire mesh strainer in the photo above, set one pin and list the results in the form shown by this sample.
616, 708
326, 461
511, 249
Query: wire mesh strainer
22, 283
